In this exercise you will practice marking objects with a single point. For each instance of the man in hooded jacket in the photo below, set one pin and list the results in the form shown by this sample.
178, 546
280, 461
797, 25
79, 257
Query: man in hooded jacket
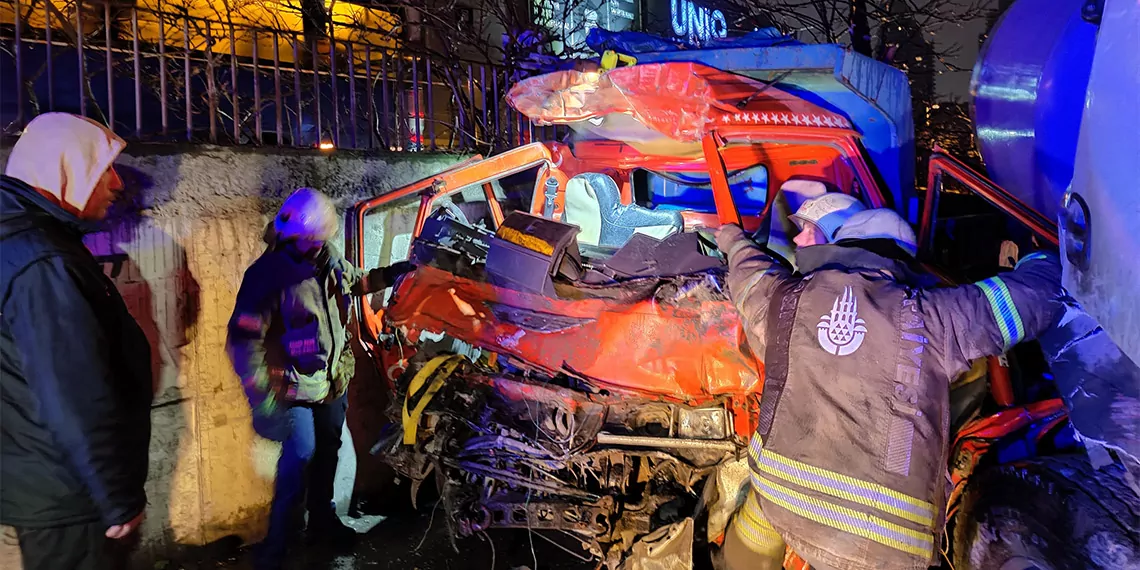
75, 371
288, 342
849, 460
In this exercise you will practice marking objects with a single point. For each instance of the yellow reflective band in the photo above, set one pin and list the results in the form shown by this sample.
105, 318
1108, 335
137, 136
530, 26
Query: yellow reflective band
411, 417
846, 520
755, 529
840, 486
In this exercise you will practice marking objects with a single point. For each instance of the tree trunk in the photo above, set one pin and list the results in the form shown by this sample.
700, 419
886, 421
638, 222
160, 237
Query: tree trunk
860, 28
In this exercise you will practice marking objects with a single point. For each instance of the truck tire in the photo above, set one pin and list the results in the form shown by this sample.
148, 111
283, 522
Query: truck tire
1048, 513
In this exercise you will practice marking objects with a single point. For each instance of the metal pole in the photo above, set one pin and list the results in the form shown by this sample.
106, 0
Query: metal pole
211, 86
19, 68
419, 134
370, 95
297, 89
110, 66
277, 89
351, 94
495, 95
429, 114
186, 77
335, 95
317, 91
138, 71
257, 92
234, 102
385, 103
82, 59
162, 70
469, 124
483, 92
47, 51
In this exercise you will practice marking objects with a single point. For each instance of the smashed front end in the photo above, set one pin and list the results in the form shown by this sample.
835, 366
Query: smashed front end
549, 393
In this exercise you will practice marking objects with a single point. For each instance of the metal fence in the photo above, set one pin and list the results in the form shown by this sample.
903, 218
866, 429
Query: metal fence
160, 75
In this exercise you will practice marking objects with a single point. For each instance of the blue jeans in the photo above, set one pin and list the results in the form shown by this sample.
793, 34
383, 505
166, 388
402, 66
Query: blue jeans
308, 460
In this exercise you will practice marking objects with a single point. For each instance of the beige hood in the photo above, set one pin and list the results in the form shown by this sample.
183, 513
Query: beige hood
64, 155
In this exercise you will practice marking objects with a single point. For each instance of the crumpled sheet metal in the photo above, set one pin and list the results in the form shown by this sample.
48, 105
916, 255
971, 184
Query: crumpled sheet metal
667, 548
672, 99
1098, 382
691, 352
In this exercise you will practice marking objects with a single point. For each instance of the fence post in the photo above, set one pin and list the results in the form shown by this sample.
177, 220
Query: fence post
370, 94
186, 77
211, 86
110, 65
257, 92
297, 89
277, 88
429, 114
234, 102
138, 70
82, 59
19, 67
350, 55
317, 90
419, 134
47, 52
162, 71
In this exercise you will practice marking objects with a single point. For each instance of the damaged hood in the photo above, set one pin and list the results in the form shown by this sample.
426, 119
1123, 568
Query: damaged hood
660, 103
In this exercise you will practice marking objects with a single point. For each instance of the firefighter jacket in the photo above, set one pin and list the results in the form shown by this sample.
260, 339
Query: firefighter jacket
849, 459
288, 337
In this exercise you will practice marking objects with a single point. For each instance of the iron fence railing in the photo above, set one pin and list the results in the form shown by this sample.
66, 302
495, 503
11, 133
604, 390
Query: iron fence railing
172, 75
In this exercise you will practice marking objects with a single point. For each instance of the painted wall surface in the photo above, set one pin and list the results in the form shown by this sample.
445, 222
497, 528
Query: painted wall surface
177, 256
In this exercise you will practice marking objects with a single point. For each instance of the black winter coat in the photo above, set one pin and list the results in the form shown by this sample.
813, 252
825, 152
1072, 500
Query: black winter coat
75, 377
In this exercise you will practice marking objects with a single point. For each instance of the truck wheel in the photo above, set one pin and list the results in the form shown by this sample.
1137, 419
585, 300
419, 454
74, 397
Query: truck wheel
1049, 513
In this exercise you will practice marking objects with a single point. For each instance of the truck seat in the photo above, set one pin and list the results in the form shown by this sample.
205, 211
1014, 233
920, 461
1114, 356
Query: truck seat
593, 203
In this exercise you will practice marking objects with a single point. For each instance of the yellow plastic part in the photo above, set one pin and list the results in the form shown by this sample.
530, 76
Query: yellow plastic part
437, 370
612, 59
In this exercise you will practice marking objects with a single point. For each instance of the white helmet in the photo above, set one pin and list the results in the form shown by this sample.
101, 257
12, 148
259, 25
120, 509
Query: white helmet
306, 214
827, 212
880, 223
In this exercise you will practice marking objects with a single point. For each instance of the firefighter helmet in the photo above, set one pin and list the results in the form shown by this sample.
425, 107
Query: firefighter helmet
827, 212
307, 214
880, 223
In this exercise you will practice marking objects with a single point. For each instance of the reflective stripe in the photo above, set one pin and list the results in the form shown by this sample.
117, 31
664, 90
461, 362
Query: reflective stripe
755, 529
752, 282
1031, 257
1005, 312
743, 242
839, 485
846, 520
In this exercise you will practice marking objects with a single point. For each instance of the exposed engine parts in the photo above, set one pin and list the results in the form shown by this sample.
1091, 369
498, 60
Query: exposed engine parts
517, 452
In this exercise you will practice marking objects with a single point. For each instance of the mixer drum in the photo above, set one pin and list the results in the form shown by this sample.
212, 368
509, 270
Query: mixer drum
1029, 91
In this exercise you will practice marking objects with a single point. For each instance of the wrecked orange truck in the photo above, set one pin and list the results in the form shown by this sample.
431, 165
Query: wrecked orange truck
565, 359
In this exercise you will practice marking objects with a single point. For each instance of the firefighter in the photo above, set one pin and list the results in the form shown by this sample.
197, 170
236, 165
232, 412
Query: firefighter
849, 459
289, 344
819, 218
75, 369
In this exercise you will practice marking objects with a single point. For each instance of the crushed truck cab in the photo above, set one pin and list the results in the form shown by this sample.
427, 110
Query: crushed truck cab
565, 358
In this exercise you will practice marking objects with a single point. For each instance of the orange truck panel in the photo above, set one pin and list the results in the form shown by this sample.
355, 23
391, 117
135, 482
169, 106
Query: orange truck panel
692, 354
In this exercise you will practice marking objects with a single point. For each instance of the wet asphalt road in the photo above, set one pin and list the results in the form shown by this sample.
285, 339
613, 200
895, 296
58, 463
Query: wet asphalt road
413, 541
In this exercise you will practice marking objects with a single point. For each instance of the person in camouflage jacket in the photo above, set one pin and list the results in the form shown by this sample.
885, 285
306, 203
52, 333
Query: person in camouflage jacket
288, 342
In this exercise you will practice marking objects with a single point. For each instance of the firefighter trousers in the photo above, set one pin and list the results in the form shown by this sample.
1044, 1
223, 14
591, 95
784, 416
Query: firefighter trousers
751, 543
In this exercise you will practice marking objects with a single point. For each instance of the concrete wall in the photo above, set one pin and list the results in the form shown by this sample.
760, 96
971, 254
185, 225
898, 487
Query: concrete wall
177, 255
